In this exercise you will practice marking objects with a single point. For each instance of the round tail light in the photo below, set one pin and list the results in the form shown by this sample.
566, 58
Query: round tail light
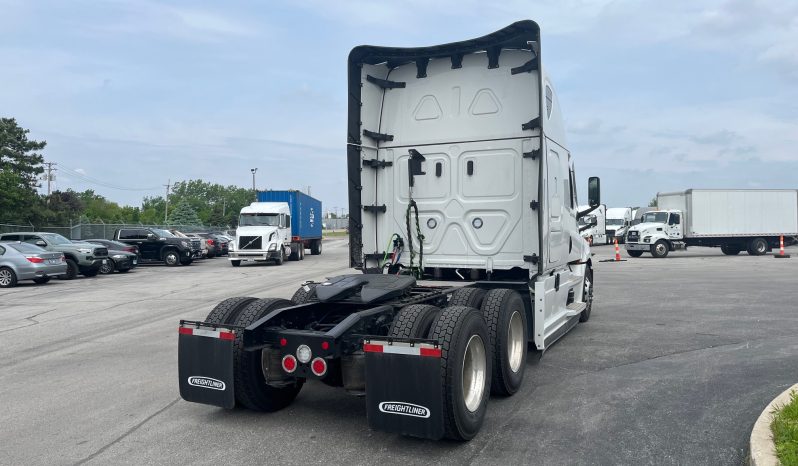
319, 367
289, 363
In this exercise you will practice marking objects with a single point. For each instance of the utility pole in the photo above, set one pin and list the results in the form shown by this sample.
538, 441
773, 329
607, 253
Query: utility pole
224, 206
254, 191
50, 177
166, 208
308, 190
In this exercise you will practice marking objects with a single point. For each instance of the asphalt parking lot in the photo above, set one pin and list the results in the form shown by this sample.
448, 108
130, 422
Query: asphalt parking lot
679, 357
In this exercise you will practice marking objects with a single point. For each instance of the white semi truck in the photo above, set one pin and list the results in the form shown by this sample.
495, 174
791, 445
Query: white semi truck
734, 220
593, 226
618, 221
464, 237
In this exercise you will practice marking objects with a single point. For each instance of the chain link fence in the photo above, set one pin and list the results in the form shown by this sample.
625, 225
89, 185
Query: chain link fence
9, 228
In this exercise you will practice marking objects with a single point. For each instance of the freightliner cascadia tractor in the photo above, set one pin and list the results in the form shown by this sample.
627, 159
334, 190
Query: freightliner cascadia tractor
463, 237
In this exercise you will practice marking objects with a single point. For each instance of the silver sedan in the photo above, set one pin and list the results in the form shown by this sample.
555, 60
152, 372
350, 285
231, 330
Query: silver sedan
25, 261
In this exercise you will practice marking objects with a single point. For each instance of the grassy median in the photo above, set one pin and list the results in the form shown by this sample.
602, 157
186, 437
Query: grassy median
785, 432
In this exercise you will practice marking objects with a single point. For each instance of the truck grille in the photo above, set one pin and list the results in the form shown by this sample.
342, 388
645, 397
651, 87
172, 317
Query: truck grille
100, 252
196, 245
633, 236
250, 242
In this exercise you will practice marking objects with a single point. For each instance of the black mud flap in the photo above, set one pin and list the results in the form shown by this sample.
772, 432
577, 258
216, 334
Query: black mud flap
205, 365
403, 387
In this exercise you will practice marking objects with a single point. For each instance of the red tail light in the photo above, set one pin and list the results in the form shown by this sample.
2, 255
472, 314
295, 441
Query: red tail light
130, 249
319, 367
35, 260
210, 242
289, 363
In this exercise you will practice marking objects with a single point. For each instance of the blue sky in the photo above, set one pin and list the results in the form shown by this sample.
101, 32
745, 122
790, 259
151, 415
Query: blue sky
658, 96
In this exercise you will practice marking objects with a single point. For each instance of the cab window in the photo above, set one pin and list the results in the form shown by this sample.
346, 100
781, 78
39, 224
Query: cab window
675, 219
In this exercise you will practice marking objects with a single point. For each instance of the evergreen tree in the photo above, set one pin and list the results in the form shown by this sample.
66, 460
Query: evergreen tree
184, 215
20, 166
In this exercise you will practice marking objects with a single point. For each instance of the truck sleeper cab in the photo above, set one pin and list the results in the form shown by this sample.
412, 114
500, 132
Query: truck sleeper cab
463, 222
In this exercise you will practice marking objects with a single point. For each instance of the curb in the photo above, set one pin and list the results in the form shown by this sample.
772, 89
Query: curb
762, 451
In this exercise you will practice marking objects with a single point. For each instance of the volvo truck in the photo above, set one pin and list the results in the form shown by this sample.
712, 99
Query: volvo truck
464, 246
733, 220
280, 226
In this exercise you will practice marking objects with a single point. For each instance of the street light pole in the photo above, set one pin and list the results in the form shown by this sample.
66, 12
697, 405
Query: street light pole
254, 170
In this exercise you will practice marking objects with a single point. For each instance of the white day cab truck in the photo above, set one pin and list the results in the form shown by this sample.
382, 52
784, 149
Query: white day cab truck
593, 226
731, 219
463, 230
618, 221
280, 226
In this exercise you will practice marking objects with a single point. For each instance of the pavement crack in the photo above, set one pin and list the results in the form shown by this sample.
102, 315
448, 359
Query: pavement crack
126, 433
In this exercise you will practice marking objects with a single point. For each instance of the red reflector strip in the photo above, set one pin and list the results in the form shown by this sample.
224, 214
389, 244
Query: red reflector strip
227, 335
425, 350
432, 352
369, 348
185, 331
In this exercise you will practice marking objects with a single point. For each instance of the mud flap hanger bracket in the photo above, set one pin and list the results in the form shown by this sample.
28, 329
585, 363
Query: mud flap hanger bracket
414, 165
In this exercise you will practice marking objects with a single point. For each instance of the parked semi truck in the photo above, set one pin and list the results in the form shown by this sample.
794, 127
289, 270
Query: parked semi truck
463, 228
731, 219
593, 226
618, 221
280, 226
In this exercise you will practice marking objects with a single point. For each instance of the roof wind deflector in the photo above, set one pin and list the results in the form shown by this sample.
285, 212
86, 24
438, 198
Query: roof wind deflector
527, 67
384, 83
421, 67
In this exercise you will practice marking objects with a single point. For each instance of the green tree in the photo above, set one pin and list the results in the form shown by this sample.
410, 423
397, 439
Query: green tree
184, 215
20, 166
653, 202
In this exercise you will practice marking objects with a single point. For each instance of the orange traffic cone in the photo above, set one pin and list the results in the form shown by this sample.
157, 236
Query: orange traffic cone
617, 251
781, 254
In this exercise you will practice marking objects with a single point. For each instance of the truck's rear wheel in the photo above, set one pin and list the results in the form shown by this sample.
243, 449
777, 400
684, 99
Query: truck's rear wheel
466, 365
250, 385
305, 294
414, 321
227, 311
504, 313
72, 270
660, 249
295, 251
634, 253
758, 247
470, 297
315, 247
730, 249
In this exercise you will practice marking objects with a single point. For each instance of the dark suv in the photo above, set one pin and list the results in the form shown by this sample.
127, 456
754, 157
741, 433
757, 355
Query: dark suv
157, 245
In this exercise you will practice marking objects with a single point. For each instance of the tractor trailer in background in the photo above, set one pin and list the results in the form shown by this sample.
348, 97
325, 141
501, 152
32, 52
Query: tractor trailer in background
463, 237
593, 226
280, 226
734, 220
618, 221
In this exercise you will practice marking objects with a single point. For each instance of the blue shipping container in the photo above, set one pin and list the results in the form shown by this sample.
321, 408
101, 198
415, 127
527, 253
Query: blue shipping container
306, 213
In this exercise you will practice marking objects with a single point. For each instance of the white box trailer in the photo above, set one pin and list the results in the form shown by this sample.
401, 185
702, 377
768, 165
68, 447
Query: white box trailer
732, 219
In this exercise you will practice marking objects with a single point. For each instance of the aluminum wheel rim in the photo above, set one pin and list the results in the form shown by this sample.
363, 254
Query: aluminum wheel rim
660, 249
515, 340
474, 363
5, 277
171, 259
761, 248
106, 268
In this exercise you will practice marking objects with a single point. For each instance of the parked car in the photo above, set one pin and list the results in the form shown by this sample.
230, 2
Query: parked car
214, 248
81, 258
157, 245
24, 261
195, 241
121, 257
201, 244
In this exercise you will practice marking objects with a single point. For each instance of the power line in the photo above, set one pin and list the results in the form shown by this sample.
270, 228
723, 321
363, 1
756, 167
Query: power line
89, 179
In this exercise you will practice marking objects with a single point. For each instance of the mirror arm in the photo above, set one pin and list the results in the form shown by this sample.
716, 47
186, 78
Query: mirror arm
586, 227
